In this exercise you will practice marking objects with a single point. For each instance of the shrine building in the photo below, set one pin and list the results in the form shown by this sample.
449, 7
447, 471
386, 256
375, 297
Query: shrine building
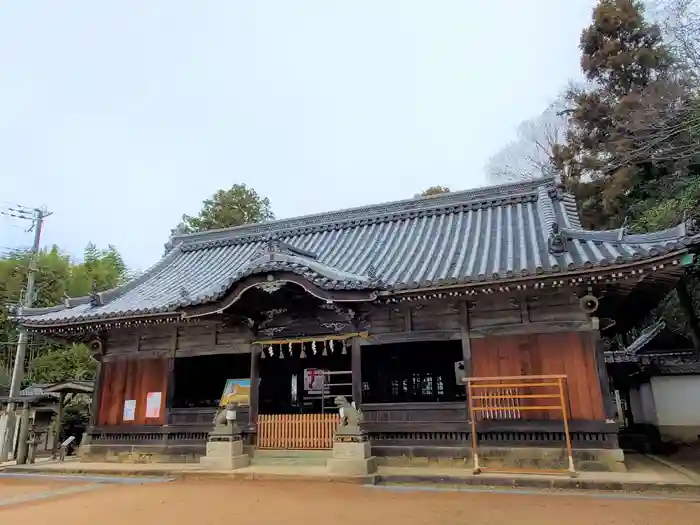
391, 305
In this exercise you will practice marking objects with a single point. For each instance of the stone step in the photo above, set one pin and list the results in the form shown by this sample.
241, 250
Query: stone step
291, 457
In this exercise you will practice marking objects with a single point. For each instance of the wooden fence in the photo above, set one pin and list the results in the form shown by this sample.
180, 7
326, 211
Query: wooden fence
297, 431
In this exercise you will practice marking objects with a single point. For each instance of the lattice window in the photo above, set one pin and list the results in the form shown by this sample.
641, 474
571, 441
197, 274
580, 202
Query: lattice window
426, 389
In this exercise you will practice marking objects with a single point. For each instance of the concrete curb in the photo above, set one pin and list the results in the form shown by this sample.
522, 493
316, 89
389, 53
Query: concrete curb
540, 483
482, 480
198, 475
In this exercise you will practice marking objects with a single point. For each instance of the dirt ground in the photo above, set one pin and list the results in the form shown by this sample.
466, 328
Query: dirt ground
12, 488
292, 503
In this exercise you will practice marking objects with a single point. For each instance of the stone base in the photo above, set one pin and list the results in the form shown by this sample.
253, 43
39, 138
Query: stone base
225, 455
352, 467
352, 459
586, 460
224, 448
351, 450
225, 463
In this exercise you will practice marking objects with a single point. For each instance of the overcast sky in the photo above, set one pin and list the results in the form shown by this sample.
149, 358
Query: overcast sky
121, 115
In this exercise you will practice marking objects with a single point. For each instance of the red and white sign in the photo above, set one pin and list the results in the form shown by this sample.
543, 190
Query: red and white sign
153, 400
313, 380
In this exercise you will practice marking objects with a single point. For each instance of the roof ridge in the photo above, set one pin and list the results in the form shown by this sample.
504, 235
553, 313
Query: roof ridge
372, 211
621, 236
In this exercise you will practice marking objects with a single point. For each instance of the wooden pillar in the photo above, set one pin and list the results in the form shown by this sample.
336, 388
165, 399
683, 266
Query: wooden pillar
254, 380
356, 357
169, 387
58, 421
466, 339
96, 392
603, 378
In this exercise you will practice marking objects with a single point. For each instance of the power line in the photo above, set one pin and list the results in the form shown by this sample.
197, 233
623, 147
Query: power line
17, 213
7, 440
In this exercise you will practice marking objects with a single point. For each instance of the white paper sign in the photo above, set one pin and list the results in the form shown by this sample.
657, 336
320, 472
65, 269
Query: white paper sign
153, 400
129, 410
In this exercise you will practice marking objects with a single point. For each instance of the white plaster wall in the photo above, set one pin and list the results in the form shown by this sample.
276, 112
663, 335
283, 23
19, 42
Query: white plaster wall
677, 400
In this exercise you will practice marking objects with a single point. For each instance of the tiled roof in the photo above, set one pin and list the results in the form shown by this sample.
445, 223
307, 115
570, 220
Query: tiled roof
478, 236
655, 340
36, 390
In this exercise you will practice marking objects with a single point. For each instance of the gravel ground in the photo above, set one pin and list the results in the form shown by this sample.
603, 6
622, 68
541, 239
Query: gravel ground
292, 503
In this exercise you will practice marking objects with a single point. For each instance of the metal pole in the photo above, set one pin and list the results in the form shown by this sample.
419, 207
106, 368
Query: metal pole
18, 370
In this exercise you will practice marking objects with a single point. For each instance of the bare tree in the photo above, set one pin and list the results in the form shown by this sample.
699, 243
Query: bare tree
680, 24
530, 155
663, 126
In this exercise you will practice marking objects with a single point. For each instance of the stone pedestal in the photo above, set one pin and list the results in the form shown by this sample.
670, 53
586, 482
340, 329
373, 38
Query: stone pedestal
225, 455
352, 458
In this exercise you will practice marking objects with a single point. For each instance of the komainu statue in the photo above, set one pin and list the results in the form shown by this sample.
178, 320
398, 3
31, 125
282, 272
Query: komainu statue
350, 417
224, 427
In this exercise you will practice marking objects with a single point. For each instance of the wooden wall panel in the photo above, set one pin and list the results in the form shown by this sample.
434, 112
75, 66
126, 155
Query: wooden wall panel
569, 353
132, 379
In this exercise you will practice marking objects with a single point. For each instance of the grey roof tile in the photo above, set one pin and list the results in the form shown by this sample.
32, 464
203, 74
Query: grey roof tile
480, 235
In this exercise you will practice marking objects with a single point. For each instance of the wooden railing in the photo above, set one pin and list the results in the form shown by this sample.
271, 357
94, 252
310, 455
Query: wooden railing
297, 431
506, 397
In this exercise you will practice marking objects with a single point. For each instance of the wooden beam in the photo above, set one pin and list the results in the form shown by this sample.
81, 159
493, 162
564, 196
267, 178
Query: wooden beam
356, 356
407, 318
254, 379
540, 327
96, 393
235, 348
465, 335
411, 337
169, 387
170, 374
524, 310
603, 378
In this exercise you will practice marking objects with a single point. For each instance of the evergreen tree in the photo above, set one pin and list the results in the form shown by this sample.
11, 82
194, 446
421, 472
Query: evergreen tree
624, 59
57, 276
227, 208
434, 190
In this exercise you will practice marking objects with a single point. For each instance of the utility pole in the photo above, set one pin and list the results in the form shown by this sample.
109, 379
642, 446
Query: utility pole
6, 444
